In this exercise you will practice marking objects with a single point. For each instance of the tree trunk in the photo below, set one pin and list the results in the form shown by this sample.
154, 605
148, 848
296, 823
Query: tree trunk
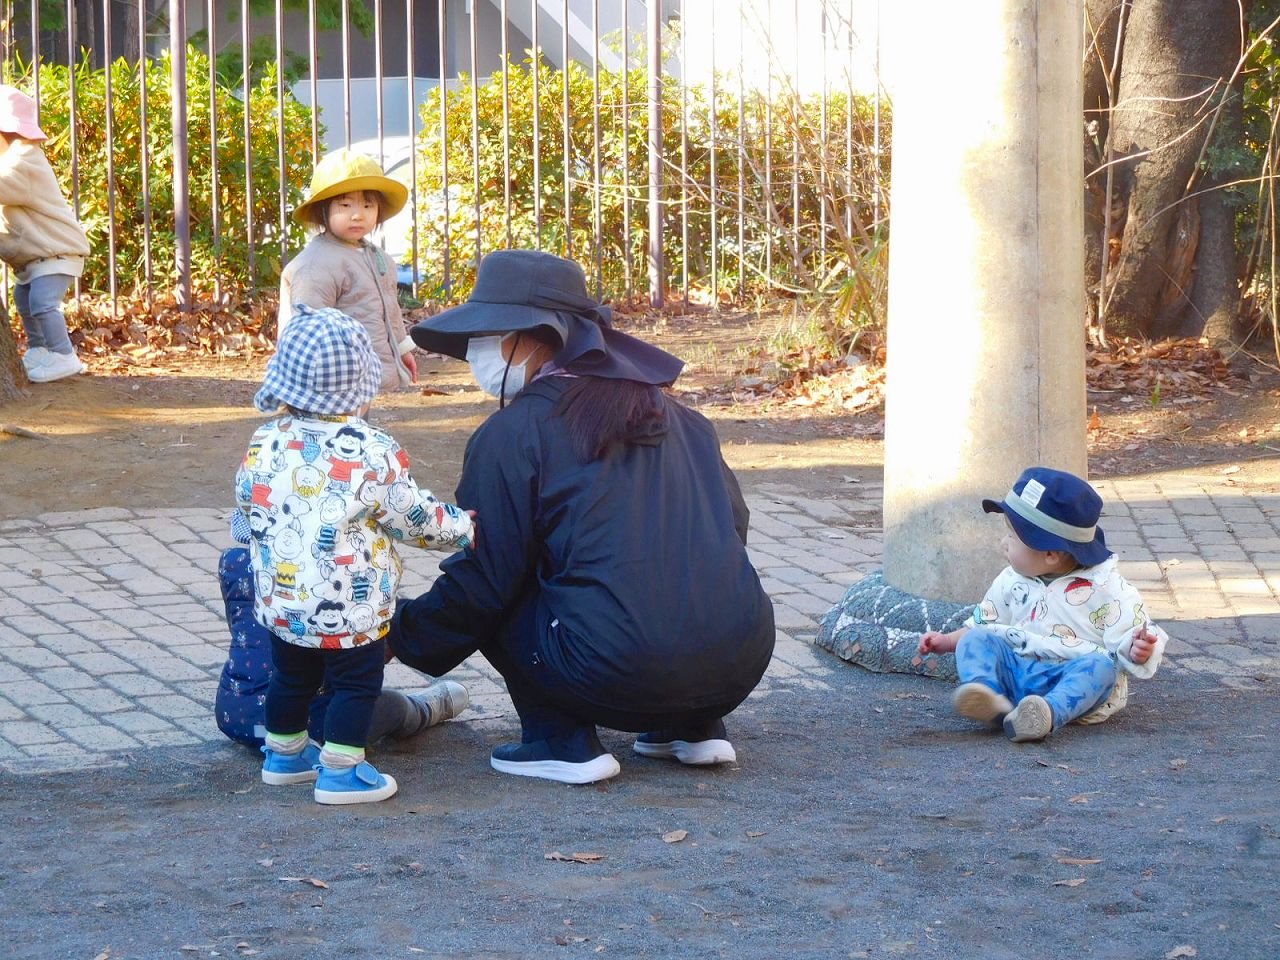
86, 31
1175, 51
12, 378
1101, 28
128, 31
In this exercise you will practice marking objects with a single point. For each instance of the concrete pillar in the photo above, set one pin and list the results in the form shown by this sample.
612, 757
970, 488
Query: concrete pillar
986, 289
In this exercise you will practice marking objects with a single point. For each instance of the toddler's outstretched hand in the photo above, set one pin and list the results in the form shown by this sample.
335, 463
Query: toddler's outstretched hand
1142, 646
935, 642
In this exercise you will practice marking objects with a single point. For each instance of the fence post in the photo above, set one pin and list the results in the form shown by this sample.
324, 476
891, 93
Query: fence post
178, 117
656, 266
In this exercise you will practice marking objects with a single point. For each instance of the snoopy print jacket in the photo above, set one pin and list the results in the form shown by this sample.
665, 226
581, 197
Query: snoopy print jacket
327, 500
1090, 610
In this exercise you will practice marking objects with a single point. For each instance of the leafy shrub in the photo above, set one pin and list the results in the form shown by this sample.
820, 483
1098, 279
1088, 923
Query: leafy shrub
225, 260
801, 258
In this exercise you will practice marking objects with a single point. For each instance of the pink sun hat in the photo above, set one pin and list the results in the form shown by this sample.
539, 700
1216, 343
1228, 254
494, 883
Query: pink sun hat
18, 114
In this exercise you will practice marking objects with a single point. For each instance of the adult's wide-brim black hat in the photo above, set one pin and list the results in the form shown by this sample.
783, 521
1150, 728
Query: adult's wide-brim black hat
524, 290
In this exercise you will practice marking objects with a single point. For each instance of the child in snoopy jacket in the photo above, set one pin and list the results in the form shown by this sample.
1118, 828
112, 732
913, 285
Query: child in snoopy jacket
1059, 631
327, 496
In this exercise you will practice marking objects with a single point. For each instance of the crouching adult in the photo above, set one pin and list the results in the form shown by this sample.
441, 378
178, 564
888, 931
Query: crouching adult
611, 585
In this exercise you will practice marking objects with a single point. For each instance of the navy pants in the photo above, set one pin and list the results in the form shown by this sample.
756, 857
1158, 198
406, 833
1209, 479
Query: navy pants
352, 677
1071, 687
548, 706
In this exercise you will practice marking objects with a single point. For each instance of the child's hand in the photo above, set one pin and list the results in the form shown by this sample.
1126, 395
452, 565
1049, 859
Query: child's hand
475, 528
1142, 646
935, 642
412, 366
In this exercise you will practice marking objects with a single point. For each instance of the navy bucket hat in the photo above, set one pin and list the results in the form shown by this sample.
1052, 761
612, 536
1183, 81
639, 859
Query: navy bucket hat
526, 289
1055, 510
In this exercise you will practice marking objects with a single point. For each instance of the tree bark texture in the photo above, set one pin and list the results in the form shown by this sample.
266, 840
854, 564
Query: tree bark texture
13, 380
1177, 59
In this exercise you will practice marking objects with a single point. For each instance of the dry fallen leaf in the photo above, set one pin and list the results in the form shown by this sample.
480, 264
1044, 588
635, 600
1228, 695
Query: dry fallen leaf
106, 954
1177, 763
1075, 882
1078, 861
674, 836
1181, 950
573, 857
569, 938
1225, 471
311, 880
755, 833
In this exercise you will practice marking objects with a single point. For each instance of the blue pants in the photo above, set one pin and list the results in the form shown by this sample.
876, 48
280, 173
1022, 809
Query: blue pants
40, 307
353, 678
1071, 687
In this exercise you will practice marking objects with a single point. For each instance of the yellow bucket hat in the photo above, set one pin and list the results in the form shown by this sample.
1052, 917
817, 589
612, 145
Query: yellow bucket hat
346, 171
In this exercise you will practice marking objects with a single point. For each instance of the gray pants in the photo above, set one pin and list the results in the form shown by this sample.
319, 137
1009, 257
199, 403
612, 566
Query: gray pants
40, 307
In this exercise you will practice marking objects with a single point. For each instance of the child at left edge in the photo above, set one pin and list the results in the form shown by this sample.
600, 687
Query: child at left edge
327, 495
40, 239
1060, 631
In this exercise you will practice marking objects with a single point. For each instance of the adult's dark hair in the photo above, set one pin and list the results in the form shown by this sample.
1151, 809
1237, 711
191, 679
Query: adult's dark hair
600, 413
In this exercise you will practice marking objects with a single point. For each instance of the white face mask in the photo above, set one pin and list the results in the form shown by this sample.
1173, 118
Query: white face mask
488, 366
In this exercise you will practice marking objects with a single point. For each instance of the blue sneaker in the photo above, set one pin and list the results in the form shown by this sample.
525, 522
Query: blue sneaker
282, 768
358, 784
575, 757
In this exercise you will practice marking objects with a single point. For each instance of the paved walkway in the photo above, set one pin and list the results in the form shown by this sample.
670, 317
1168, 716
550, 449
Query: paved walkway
112, 635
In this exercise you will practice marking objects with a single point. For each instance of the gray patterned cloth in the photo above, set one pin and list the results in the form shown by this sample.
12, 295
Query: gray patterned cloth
878, 627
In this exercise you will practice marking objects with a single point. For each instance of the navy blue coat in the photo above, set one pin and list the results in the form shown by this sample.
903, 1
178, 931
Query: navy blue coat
640, 555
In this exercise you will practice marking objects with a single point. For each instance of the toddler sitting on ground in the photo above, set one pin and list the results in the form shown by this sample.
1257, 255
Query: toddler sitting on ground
1059, 631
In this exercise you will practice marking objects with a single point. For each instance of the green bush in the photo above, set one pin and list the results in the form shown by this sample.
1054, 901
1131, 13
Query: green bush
225, 261
802, 260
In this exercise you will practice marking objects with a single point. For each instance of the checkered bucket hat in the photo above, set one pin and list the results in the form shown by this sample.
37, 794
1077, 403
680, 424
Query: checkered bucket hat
323, 363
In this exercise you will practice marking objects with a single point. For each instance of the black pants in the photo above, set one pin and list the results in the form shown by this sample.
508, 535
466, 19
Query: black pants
352, 677
547, 706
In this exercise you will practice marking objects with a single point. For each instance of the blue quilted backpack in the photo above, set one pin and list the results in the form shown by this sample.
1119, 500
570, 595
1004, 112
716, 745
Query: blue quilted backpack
242, 691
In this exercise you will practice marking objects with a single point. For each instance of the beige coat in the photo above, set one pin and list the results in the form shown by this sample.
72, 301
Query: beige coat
361, 282
38, 232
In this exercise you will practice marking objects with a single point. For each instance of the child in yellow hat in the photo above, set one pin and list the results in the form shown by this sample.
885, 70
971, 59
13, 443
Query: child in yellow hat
341, 269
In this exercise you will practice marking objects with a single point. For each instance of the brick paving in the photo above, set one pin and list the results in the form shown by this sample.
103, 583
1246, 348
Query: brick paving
112, 635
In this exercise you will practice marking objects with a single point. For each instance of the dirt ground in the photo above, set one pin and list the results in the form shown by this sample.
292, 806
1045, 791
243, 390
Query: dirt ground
171, 432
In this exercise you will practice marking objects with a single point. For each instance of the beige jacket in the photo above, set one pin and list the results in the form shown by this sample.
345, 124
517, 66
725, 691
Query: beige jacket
38, 232
359, 281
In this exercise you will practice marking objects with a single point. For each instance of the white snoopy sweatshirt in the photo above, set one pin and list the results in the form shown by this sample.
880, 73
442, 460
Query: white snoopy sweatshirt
1091, 609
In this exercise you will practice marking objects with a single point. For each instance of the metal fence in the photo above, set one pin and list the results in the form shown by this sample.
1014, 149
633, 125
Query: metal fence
717, 163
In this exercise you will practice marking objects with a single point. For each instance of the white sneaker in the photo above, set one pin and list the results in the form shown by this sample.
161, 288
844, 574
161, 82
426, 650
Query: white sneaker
444, 700
56, 366
34, 357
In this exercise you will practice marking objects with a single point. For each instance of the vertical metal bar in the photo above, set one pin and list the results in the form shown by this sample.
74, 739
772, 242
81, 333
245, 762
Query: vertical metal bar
742, 157
875, 128
597, 230
71, 94
313, 66
379, 106
475, 130
178, 116
35, 55
848, 129
566, 157
442, 20
111, 157
768, 145
506, 124
215, 206
795, 143
537, 132
657, 281
146, 149
713, 205
684, 158
626, 148
245, 89
346, 70
413, 137
281, 187
822, 148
